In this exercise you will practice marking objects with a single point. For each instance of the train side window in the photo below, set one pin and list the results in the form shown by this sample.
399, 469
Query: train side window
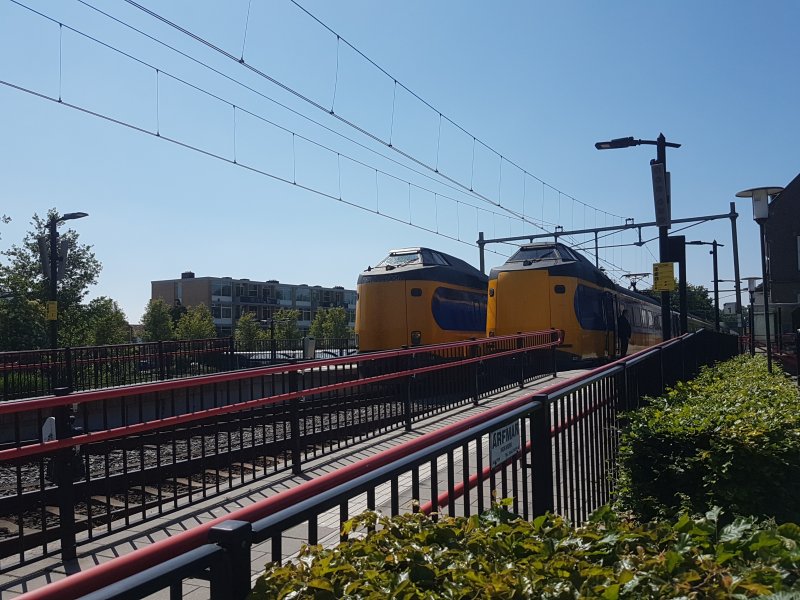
560, 289
416, 292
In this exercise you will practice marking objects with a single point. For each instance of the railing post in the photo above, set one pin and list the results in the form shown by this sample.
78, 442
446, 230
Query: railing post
797, 355
160, 360
409, 390
69, 366
520, 356
63, 473
542, 457
476, 390
232, 366
554, 338
230, 577
294, 417
623, 398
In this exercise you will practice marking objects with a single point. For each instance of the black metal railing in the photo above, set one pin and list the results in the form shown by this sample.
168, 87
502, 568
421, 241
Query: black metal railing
33, 373
563, 462
125, 455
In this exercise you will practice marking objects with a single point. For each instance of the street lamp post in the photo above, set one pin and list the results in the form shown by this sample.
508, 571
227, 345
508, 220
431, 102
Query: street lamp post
761, 196
751, 288
714, 245
661, 196
65, 460
52, 308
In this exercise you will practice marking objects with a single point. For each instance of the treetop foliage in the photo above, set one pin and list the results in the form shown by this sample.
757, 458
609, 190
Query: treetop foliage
26, 291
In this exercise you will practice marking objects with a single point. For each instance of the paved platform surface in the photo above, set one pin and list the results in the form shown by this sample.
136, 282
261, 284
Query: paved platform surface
17, 580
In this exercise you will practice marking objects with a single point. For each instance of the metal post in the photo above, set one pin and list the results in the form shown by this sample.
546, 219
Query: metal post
481, 245
407, 416
716, 285
230, 578
52, 316
797, 355
596, 252
294, 418
63, 471
663, 241
677, 253
52, 308
752, 320
273, 341
735, 241
765, 288
542, 457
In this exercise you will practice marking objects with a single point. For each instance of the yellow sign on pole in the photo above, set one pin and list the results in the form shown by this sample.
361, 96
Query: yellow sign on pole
52, 310
663, 277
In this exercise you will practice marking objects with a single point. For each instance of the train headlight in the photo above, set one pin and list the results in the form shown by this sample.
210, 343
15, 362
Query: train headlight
416, 338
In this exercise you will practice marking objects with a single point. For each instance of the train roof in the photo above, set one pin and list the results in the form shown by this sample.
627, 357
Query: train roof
558, 259
424, 263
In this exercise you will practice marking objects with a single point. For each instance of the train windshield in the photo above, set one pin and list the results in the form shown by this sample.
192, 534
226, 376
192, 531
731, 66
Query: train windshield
401, 260
545, 253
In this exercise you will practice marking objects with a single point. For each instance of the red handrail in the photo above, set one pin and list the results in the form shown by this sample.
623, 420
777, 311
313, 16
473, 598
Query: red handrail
14, 406
105, 574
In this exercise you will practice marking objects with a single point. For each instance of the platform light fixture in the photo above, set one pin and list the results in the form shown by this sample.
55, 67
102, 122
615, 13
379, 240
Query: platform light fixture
761, 197
661, 197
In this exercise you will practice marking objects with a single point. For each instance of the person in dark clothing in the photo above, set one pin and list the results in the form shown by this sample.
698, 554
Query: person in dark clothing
623, 332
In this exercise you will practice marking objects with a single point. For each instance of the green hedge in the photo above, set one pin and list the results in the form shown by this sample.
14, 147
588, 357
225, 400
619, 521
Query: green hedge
729, 438
499, 556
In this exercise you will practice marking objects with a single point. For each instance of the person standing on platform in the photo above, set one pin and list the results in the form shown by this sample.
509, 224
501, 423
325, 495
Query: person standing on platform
623, 332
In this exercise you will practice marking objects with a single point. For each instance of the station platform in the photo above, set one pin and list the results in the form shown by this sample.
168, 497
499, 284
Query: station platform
40, 572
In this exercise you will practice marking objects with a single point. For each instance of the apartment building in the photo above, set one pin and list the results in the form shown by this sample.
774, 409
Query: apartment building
228, 298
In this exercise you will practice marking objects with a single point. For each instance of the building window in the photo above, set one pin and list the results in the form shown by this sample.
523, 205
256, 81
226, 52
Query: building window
221, 289
302, 294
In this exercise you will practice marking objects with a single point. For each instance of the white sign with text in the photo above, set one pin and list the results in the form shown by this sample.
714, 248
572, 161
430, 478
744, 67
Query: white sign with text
503, 443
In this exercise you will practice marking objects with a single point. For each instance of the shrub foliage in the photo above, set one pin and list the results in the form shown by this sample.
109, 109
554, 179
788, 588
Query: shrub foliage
730, 438
497, 555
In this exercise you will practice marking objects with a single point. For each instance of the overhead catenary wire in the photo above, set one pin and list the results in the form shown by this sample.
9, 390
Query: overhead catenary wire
160, 72
453, 186
348, 122
216, 156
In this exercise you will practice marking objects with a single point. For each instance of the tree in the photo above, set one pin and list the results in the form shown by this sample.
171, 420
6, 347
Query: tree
22, 324
286, 324
248, 332
330, 324
21, 277
697, 300
196, 324
177, 311
107, 321
157, 322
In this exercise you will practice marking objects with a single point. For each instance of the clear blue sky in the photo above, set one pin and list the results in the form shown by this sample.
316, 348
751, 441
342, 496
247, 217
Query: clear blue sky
538, 82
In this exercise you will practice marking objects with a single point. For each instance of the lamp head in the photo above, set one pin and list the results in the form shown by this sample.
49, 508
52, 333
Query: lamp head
760, 196
625, 142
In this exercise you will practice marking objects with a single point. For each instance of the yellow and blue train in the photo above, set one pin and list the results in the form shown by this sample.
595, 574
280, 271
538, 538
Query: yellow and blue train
549, 285
419, 296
